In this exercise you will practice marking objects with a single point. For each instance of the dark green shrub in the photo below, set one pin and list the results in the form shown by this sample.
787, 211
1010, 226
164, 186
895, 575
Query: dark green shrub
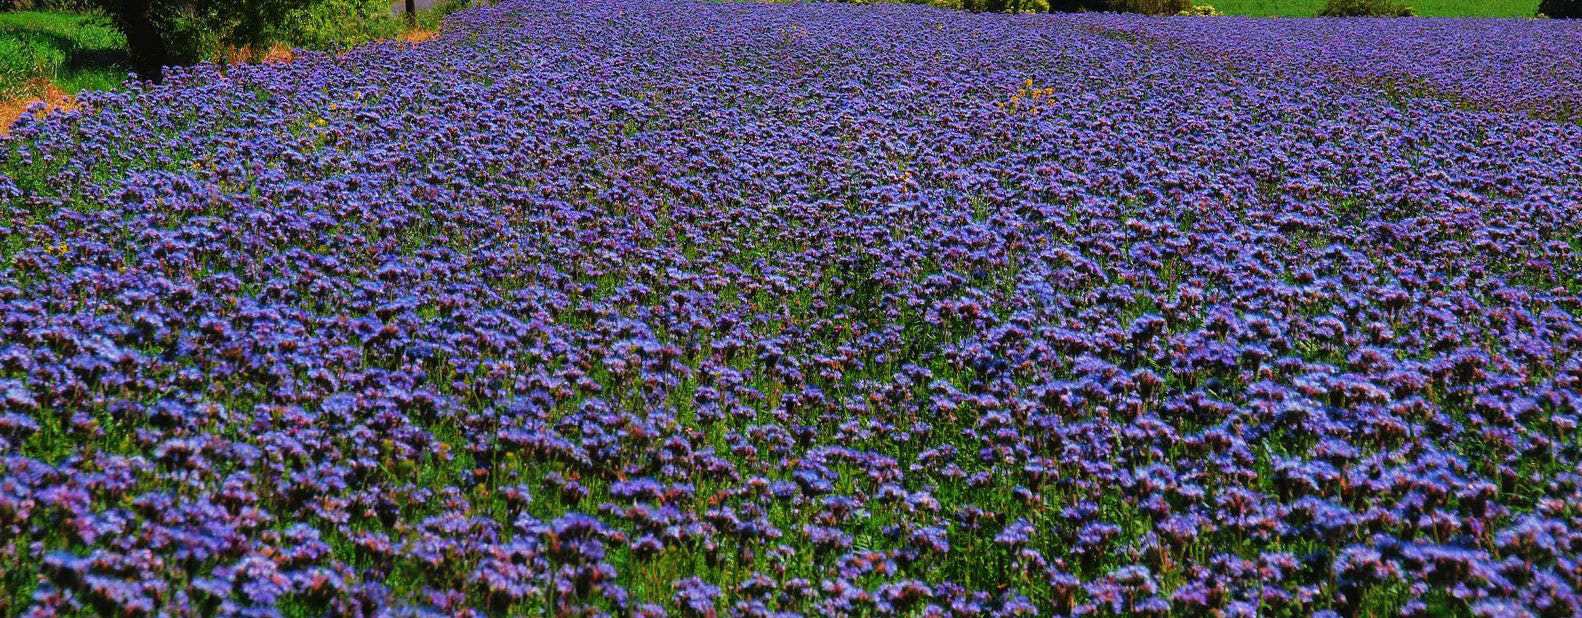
1151, 7
1365, 8
1069, 6
1561, 9
331, 24
337, 24
432, 17
168, 32
1004, 6
1145, 7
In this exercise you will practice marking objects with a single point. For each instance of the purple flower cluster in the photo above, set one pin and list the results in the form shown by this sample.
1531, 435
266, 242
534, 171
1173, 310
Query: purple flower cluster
663, 307
1491, 64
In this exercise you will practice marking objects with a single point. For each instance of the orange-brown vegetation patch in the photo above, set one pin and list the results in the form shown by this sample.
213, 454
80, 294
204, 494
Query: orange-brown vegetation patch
411, 35
418, 35
53, 98
278, 52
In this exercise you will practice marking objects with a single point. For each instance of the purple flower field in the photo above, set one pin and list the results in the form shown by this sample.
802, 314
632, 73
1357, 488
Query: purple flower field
695, 309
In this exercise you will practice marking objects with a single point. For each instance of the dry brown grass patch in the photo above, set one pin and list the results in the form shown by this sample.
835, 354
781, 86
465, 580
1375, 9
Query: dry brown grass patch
53, 98
418, 35
277, 52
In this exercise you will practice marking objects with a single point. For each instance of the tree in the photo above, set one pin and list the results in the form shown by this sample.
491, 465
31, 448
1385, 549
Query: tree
162, 33
1564, 9
1146, 7
144, 41
1365, 8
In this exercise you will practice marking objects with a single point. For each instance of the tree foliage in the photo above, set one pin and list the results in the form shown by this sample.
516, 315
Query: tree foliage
1566, 9
160, 33
1146, 7
1365, 8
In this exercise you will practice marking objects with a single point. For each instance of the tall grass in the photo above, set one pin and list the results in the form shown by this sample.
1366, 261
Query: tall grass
71, 51
337, 24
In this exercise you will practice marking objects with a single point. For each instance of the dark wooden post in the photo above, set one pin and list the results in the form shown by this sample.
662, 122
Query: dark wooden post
411, 12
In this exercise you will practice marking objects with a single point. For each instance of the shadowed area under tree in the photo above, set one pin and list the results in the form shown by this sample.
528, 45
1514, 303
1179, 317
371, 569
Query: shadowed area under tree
162, 33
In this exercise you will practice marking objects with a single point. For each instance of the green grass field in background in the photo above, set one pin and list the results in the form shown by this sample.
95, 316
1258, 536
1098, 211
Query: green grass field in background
1425, 8
73, 52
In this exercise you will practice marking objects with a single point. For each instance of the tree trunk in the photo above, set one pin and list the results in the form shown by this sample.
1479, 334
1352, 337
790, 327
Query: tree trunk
148, 48
1072, 6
